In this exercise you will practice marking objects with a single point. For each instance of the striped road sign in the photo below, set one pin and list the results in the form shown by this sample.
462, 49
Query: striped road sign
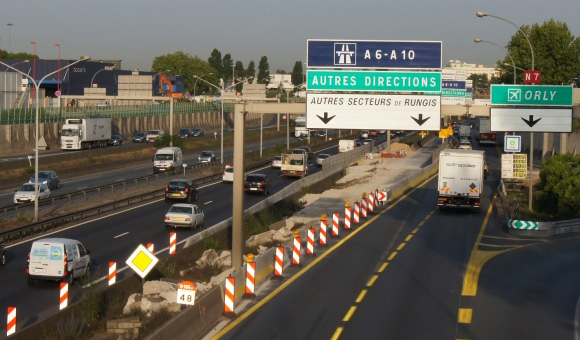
525, 225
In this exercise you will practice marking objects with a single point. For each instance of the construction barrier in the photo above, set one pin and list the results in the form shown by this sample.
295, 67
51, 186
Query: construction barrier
296, 250
347, 215
63, 295
229, 297
112, 273
278, 263
355, 217
250, 277
11, 321
310, 242
363, 213
371, 200
322, 236
172, 243
335, 224
151, 248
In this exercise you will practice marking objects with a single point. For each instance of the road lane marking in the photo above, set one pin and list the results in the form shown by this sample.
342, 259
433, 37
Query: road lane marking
372, 280
81, 179
415, 231
421, 224
408, 238
392, 256
208, 202
361, 296
121, 235
465, 315
81, 188
337, 333
349, 314
383, 267
401, 246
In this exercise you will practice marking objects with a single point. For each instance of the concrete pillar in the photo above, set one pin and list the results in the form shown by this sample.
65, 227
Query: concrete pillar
238, 188
546, 149
563, 143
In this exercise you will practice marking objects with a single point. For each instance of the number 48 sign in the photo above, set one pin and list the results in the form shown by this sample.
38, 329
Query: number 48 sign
186, 293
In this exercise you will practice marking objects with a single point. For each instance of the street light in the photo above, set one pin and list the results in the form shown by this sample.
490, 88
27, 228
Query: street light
58, 66
479, 40
37, 86
194, 84
9, 29
34, 67
481, 15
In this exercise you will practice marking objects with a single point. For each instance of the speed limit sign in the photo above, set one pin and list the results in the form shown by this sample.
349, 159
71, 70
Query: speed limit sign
186, 293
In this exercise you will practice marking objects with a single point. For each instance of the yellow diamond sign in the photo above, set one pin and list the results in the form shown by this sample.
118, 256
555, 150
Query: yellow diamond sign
142, 261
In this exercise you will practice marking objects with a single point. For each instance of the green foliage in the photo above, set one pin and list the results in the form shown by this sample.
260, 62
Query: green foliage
227, 63
28, 171
251, 70
211, 243
576, 124
556, 53
71, 328
167, 269
163, 141
215, 61
297, 74
479, 80
17, 55
184, 64
560, 179
263, 68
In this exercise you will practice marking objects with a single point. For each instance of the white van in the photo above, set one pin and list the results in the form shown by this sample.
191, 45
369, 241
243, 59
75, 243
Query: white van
345, 145
57, 259
153, 134
167, 159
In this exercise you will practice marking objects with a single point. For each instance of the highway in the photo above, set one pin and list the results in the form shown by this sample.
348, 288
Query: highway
113, 238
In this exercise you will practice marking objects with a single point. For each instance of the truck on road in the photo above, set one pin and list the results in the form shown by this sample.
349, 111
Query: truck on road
461, 178
85, 133
294, 164
345, 145
485, 136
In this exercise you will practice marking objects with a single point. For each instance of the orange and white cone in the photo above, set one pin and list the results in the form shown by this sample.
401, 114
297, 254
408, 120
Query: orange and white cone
112, 273
278, 263
335, 224
250, 277
229, 297
347, 215
363, 213
11, 321
310, 242
151, 248
371, 203
296, 249
356, 215
172, 243
63, 295
322, 236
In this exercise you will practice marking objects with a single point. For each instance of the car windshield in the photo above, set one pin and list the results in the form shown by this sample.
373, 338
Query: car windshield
323, 156
206, 154
181, 210
184, 131
176, 185
298, 151
278, 158
254, 178
153, 132
230, 170
196, 130
43, 174
27, 187
164, 157
140, 134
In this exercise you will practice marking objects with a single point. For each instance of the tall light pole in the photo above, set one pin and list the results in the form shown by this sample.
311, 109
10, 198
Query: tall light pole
34, 67
197, 78
37, 86
9, 33
479, 40
484, 14
58, 66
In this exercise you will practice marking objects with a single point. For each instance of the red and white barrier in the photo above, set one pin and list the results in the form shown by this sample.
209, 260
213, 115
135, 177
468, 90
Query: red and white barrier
335, 224
371, 204
347, 210
363, 212
355, 217
229, 296
151, 248
172, 243
322, 236
11, 321
278, 263
63, 295
310, 242
112, 273
296, 251
250, 279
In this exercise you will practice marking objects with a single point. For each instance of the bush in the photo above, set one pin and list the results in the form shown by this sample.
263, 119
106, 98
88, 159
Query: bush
560, 182
164, 141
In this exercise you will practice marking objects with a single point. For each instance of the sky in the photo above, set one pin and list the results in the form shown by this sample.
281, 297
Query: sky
137, 31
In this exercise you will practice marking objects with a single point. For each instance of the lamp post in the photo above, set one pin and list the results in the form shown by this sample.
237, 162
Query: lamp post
197, 78
479, 40
34, 67
58, 66
484, 14
37, 86
9, 31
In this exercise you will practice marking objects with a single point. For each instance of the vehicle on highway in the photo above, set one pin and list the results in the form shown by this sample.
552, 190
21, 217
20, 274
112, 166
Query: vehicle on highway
276, 162
185, 215
197, 132
465, 145
259, 183
115, 140
50, 178
2, 255
26, 193
206, 157
373, 133
185, 133
140, 137
167, 159
366, 141
181, 189
485, 170
304, 149
321, 133
153, 134
345, 145
228, 176
382, 132
85, 133
57, 259
364, 134
321, 157
460, 180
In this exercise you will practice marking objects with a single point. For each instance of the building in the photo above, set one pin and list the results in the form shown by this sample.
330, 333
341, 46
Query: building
490, 72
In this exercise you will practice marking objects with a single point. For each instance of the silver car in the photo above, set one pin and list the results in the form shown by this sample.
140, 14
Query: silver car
50, 178
277, 162
26, 193
185, 215
206, 157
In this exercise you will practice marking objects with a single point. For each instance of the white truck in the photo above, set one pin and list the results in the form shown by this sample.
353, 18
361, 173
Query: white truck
85, 133
485, 136
345, 145
461, 178
300, 130
294, 165
465, 131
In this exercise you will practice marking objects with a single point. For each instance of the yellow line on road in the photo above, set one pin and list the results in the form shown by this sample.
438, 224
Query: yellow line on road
401, 246
465, 315
408, 238
372, 280
415, 231
421, 224
383, 266
361, 296
349, 314
392, 256
337, 333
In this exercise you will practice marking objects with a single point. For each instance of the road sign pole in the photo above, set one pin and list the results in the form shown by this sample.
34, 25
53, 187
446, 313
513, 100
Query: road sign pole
530, 185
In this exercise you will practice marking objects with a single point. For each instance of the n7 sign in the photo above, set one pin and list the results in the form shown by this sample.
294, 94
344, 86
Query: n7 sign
532, 77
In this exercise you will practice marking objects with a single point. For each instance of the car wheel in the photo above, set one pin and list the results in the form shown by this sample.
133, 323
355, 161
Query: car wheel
71, 278
58, 185
87, 274
3, 259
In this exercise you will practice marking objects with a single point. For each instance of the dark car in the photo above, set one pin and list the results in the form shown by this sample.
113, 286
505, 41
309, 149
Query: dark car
321, 133
115, 140
50, 178
181, 189
259, 183
185, 133
308, 152
2, 255
140, 137
197, 132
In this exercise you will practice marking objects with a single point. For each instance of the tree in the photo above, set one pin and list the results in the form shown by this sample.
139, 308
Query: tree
251, 71
215, 60
297, 74
239, 68
18, 55
227, 64
560, 180
263, 68
556, 53
280, 71
183, 64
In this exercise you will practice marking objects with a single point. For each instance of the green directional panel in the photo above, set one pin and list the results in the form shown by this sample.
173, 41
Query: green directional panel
377, 81
531, 95
523, 225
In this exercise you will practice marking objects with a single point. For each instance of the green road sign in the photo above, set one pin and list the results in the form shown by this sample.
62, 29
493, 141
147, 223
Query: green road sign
531, 95
526, 225
449, 93
337, 80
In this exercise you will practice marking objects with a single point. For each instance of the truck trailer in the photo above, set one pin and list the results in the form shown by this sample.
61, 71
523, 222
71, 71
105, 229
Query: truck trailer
461, 179
294, 165
485, 136
85, 133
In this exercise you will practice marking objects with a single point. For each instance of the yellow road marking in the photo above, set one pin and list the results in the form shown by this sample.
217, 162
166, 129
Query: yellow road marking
392, 256
361, 296
336, 334
383, 266
372, 280
349, 314
465, 315
415, 231
421, 224
401, 246
408, 238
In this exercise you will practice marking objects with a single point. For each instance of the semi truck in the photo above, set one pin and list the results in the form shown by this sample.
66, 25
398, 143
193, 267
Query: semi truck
461, 177
294, 164
85, 133
485, 136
